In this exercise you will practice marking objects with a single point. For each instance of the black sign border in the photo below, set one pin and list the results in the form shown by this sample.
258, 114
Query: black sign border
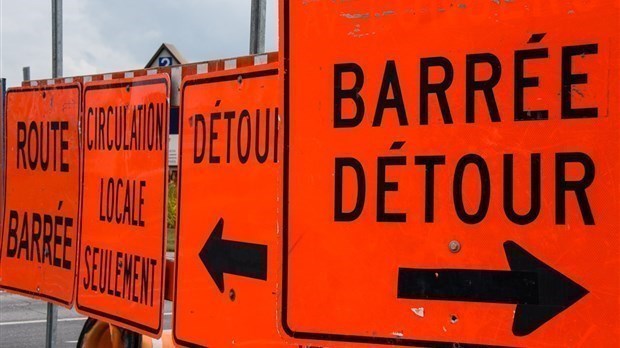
124, 84
232, 76
71, 85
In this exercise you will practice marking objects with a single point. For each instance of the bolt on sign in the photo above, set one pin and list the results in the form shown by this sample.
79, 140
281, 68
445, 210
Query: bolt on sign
123, 231
228, 256
42, 173
451, 172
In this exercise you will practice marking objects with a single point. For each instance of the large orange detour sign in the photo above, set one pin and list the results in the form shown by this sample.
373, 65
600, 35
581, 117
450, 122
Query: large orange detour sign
228, 256
42, 173
123, 230
451, 172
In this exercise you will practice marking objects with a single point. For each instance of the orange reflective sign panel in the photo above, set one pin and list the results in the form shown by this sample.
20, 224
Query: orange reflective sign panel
452, 172
123, 232
228, 254
42, 173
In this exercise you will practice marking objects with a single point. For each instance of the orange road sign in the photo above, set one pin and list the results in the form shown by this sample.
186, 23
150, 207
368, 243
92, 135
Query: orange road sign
42, 173
228, 256
451, 173
123, 230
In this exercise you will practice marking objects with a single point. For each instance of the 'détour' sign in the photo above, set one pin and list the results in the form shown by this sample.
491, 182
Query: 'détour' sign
447, 161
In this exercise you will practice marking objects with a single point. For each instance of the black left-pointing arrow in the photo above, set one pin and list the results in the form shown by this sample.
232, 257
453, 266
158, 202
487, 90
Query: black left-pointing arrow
221, 256
539, 291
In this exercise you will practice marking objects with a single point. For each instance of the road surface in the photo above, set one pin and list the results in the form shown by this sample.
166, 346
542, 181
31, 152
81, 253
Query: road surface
22, 322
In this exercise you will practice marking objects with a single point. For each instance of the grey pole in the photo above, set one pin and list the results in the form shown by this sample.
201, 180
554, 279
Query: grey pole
257, 26
26, 73
56, 38
50, 327
2, 145
52, 311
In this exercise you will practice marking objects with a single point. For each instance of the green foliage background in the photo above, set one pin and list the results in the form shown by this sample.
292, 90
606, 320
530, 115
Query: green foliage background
172, 214
172, 204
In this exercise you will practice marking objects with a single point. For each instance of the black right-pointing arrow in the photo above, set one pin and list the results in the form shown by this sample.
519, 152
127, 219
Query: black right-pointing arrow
539, 291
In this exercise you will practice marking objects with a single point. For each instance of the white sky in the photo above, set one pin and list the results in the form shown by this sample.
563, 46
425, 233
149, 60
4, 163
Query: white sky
114, 35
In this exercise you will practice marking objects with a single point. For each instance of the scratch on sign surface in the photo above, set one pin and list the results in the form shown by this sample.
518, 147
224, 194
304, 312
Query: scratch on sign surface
418, 311
355, 15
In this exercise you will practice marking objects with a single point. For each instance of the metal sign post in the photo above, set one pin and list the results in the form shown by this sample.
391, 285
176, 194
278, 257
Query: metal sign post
26, 73
56, 38
257, 26
2, 161
52, 311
